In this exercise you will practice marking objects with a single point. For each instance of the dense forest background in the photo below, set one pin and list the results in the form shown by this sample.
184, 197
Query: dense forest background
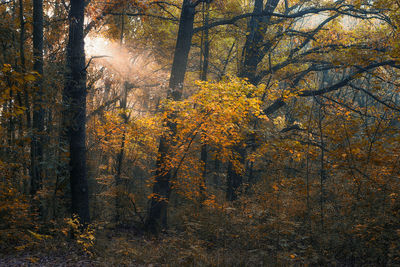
200, 132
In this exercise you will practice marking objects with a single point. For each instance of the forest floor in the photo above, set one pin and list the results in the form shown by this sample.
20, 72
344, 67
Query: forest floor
124, 248
64, 251
110, 248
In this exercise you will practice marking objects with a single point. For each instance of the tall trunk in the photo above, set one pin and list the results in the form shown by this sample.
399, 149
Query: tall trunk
23, 62
251, 48
206, 43
22, 66
254, 51
255, 47
203, 76
157, 217
9, 105
38, 113
75, 97
22, 34
120, 155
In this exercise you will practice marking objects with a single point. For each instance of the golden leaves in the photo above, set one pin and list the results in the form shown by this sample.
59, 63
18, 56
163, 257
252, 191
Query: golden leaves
217, 115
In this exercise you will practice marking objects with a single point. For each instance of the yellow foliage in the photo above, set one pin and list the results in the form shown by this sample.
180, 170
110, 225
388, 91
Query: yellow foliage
217, 115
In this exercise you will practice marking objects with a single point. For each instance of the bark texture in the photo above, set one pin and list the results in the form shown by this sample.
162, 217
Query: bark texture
38, 111
75, 102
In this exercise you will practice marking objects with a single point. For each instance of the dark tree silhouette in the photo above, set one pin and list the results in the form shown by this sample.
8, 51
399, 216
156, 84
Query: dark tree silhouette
75, 101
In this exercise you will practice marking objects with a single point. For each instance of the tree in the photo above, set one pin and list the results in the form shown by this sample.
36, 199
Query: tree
157, 217
254, 51
75, 104
38, 111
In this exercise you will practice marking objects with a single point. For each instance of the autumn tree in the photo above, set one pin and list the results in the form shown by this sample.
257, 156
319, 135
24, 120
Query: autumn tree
157, 217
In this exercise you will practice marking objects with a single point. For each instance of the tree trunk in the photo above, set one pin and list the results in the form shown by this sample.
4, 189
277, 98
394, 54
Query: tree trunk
23, 70
255, 47
203, 76
38, 113
254, 51
157, 217
75, 103
234, 178
120, 155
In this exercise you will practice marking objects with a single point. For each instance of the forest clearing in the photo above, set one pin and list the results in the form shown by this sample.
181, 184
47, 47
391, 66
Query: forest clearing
199, 133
